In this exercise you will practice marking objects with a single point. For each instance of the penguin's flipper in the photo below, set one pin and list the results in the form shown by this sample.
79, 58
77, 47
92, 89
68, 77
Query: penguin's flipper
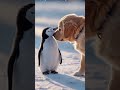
60, 55
39, 53
39, 57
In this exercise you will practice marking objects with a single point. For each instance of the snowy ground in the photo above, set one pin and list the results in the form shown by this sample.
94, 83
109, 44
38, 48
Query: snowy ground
48, 14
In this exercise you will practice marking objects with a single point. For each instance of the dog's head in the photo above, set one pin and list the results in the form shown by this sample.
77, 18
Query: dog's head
69, 27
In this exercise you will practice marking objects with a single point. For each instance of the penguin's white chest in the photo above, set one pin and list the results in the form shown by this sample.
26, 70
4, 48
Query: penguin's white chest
49, 55
50, 46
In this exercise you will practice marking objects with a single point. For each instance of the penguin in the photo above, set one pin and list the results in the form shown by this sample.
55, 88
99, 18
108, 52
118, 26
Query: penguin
21, 61
49, 55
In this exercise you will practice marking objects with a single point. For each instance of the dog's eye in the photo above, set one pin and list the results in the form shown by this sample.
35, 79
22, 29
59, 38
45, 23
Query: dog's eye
60, 29
81, 31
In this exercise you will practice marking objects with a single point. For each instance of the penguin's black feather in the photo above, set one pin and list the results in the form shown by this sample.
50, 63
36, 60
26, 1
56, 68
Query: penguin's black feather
60, 56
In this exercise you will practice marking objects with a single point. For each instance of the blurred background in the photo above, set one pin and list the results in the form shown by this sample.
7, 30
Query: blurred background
8, 12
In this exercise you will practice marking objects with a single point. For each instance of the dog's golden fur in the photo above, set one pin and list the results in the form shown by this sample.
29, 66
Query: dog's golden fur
108, 47
72, 28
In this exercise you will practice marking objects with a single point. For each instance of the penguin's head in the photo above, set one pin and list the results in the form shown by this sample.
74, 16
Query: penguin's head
25, 18
30, 15
48, 32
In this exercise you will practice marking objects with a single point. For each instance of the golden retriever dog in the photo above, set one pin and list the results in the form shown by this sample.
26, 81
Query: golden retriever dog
72, 28
103, 20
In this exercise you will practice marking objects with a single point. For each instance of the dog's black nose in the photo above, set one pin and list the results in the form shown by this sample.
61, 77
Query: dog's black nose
55, 28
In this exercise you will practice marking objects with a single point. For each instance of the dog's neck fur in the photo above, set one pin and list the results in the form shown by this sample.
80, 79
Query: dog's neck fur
77, 36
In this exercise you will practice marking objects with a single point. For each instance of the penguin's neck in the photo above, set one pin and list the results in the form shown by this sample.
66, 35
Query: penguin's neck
50, 44
50, 37
50, 40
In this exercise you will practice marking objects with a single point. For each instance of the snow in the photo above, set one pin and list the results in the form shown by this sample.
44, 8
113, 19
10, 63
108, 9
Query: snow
48, 14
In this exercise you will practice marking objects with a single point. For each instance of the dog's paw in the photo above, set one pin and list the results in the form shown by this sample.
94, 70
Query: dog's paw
78, 74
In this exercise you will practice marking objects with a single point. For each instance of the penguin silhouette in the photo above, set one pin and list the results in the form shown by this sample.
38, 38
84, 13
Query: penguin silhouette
18, 57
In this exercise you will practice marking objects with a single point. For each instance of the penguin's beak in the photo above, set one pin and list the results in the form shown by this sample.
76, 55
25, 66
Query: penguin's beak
55, 28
